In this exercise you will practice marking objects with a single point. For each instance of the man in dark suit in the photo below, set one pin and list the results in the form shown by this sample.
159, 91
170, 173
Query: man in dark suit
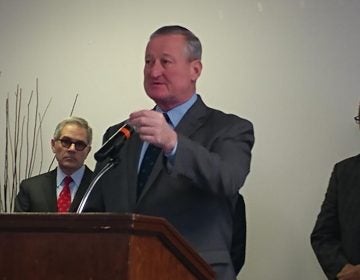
336, 235
204, 154
42, 193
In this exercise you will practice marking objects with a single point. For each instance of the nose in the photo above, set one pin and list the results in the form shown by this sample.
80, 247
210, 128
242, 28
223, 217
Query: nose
72, 147
154, 69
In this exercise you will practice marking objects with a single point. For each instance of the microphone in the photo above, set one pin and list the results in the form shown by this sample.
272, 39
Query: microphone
114, 143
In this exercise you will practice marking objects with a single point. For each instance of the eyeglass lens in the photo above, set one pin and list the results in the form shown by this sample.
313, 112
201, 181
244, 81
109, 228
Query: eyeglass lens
66, 143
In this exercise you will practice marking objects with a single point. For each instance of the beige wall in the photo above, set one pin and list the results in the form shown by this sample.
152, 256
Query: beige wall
291, 67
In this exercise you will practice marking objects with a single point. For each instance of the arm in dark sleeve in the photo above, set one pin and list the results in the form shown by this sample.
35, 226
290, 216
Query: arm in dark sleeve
238, 245
22, 200
325, 238
222, 166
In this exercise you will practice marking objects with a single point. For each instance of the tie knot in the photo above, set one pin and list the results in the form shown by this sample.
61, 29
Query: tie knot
167, 118
67, 180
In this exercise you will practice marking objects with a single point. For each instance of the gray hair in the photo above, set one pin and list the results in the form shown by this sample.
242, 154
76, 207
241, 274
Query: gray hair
193, 44
77, 121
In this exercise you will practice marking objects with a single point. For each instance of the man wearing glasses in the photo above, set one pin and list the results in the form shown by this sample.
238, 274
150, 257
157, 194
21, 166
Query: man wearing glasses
61, 189
336, 236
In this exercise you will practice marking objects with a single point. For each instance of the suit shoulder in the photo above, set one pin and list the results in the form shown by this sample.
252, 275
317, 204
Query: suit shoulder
37, 178
115, 126
112, 129
349, 163
88, 170
229, 118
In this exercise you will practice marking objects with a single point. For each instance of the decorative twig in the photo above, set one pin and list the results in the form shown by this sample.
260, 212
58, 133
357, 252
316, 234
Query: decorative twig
27, 135
14, 160
73, 106
71, 113
6, 161
38, 136
21, 149
32, 155
24, 132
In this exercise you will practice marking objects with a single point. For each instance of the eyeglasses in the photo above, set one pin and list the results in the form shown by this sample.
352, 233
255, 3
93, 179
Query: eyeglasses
67, 142
357, 119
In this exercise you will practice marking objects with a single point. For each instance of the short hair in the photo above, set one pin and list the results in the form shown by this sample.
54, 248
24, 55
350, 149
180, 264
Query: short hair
193, 44
77, 121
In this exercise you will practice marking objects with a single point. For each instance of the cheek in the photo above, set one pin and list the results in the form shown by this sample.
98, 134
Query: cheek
81, 157
53, 148
173, 77
180, 79
145, 74
181, 73
57, 151
146, 71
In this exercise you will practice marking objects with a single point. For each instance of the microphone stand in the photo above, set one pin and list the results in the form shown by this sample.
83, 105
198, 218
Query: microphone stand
106, 168
111, 153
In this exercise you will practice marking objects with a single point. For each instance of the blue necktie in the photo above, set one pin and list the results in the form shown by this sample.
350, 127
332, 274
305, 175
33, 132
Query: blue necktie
148, 162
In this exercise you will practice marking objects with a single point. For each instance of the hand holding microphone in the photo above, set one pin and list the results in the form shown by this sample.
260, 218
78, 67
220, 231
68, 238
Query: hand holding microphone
153, 128
114, 143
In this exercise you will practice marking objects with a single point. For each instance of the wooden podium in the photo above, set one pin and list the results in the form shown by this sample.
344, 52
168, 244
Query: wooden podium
95, 246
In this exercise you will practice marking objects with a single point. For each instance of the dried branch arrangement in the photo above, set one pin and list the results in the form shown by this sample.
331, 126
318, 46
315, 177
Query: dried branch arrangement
23, 149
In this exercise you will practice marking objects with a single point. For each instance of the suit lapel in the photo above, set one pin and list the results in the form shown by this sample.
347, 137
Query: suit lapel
132, 168
193, 119
85, 182
49, 190
189, 124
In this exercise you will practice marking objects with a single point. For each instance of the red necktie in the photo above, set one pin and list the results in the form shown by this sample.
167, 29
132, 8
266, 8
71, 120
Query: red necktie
64, 200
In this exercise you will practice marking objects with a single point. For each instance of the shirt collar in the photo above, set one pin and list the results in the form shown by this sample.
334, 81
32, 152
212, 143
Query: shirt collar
76, 176
178, 112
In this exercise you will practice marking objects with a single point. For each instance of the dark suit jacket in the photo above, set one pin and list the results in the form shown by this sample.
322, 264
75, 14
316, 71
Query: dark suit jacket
336, 236
198, 193
38, 193
238, 245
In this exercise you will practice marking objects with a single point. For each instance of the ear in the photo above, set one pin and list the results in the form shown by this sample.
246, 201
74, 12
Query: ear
88, 151
53, 145
196, 67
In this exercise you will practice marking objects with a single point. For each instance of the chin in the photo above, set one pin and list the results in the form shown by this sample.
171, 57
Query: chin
71, 165
157, 94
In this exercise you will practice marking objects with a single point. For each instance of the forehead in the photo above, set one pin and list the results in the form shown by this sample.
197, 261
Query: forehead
74, 131
166, 45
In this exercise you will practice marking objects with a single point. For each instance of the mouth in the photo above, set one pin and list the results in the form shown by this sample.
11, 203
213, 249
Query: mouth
157, 84
69, 158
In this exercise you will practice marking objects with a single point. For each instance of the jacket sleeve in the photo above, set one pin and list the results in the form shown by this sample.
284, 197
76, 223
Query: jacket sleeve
22, 200
222, 164
325, 238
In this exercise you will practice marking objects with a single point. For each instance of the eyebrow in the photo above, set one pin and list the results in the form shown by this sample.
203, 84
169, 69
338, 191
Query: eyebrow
72, 139
162, 55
